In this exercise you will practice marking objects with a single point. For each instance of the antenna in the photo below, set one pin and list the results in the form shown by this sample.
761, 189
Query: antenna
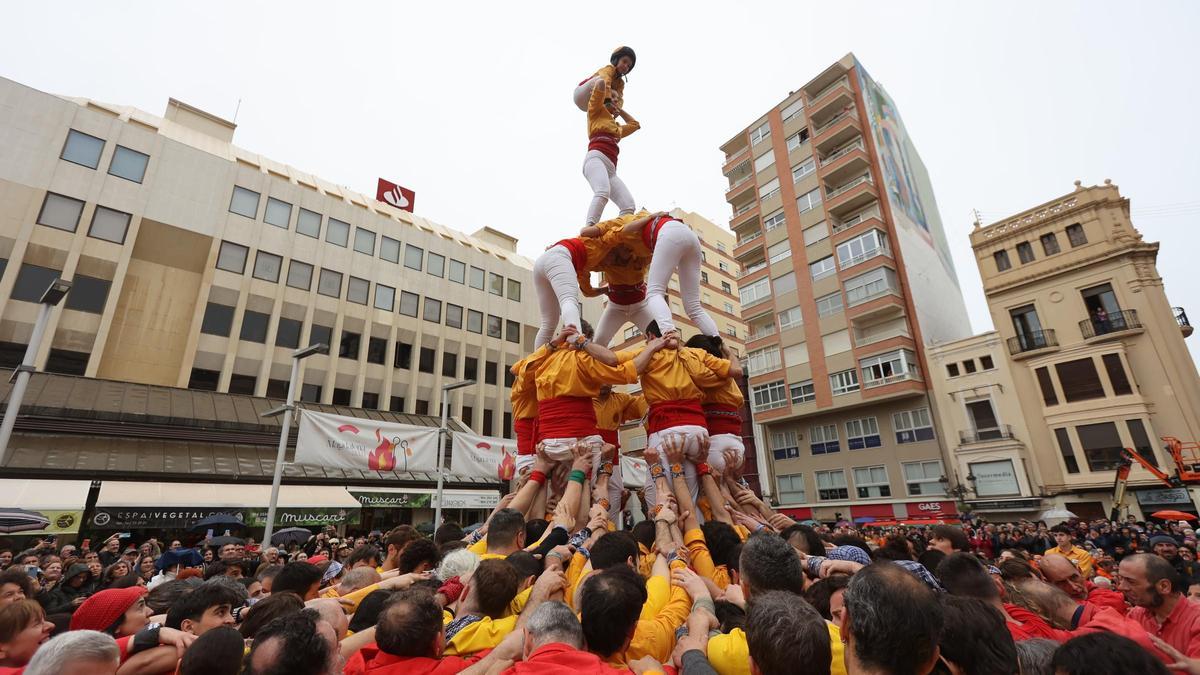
978, 219
237, 110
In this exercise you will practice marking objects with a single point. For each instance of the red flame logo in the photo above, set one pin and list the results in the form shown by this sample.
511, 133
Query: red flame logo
383, 457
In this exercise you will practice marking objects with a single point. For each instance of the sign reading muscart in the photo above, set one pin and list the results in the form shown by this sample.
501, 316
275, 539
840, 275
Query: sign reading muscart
367, 445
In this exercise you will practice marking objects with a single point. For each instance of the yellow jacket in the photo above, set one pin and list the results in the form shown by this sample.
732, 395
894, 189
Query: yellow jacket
476, 637
600, 121
730, 655
524, 392
573, 372
615, 84
672, 373
618, 408
728, 393
655, 636
702, 560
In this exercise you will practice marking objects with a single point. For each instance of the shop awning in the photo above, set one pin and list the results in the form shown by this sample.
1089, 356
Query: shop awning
120, 493
422, 498
43, 494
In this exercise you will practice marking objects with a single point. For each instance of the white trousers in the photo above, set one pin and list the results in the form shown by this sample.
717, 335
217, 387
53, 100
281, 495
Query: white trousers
557, 289
677, 249
584, 92
601, 175
615, 316
718, 444
693, 451
561, 449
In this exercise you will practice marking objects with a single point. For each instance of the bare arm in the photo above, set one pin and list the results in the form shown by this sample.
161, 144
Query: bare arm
568, 506
683, 495
357, 641
642, 361
528, 492
735, 363
601, 353
716, 500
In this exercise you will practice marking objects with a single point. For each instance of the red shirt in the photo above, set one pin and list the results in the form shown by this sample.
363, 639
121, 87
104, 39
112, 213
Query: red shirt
1032, 626
1181, 629
371, 661
557, 657
1107, 598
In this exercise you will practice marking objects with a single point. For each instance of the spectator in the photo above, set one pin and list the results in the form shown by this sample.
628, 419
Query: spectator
397, 540
1105, 654
300, 578
786, 636
409, 637
222, 568
1167, 548
949, 539
554, 644
207, 607
267, 576
609, 605
294, 644
1155, 590
262, 613
481, 622
420, 555
70, 592
892, 622
1067, 548
457, 564
23, 628
217, 652
1062, 573
356, 579
448, 532
974, 640
78, 652
821, 594
163, 596
15, 585
120, 612
1034, 656
505, 534
364, 556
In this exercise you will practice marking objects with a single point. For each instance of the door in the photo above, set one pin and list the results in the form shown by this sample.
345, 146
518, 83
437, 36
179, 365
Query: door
1028, 326
983, 419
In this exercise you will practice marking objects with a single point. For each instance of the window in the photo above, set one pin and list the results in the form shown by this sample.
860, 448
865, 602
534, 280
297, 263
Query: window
720, 247
760, 134
1112, 364
1075, 235
887, 368
969, 366
426, 359
389, 249
862, 248
244, 202
349, 345
793, 110
397, 404
816, 233
912, 426
495, 326
1101, 445
458, 271
769, 396
204, 380
489, 372
330, 283
784, 445
242, 384
632, 332
1028, 328
454, 315
287, 333
474, 321
1079, 380
495, 284
487, 422
774, 220
341, 397
868, 286
784, 284
922, 478
61, 213
822, 268
952, 369
308, 223
128, 164
1050, 244
828, 305
402, 358
728, 288
863, 433
449, 364
232, 257
433, 310
409, 303
422, 407
779, 251
763, 361
88, 294
1141, 440
254, 326
338, 232
82, 149
364, 241
414, 256
109, 225
1024, 252
844, 382
370, 400
754, 293
983, 419
1067, 451
476, 279
832, 485
730, 330
319, 334
986, 363
823, 439
218, 320
512, 331
385, 297
764, 160
514, 290
299, 275
278, 213
791, 488
67, 362
468, 415
871, 482
768, 189
803, 169
729, 308
803, 392
790, 318
1002, 262
358, 291
797, 139
267, 266
809, 200
470, 368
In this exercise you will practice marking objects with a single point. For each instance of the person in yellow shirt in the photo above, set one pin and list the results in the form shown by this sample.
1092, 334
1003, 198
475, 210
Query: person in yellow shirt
1067, 548
620, 62
624, 279
600, 162
556, 279
722, 409
483, 619
523, 396
674, 249
614, 408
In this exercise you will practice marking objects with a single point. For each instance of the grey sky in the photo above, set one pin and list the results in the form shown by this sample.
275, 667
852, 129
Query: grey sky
469, 103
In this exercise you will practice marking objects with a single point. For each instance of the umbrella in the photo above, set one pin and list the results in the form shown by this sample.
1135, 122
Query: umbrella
218, 521
1172, 515
290, 535
864, 519
810, 522
221, 541
20, 520
1057, 514
188, 557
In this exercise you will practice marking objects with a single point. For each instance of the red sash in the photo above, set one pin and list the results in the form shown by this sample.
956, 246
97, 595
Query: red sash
526, 431
722, 419
566, 417
626, 294
650, 231
611, 436
578, 253
674, 414
606, 145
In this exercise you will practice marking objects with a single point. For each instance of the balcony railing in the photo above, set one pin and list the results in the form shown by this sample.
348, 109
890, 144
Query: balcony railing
870, 212
842, 151
997, 433
751, 269
845, 187
749, 237
834, 120
738, 183
1110, 323
865, 256
762, 332
1036, 339
841, 81
1181, 317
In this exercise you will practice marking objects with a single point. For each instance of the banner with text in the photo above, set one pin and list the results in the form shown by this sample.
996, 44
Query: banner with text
371, 445
483, 456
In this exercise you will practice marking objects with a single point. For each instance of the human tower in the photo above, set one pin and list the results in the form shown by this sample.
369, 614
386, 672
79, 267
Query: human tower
562, 396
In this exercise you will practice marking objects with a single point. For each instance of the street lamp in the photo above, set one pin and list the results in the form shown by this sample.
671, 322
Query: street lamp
53, 295
443, 433
286, 410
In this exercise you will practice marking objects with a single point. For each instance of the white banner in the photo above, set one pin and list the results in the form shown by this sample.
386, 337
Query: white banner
483, 456
633, 471
354, 443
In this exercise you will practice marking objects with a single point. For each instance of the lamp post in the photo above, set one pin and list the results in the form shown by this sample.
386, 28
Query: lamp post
286, 410
443, 433
958, 491
53, 295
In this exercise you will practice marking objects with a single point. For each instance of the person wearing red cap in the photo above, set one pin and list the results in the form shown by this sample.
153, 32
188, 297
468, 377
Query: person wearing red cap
119, 612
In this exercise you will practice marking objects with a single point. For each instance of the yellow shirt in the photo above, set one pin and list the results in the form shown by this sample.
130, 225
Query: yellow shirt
646, 559
524, 392
702, 560
600, 121
672, 373
730, 655
476, 637
573, 372
655, 636
617, 408
726, 394
1079, 556
616, 85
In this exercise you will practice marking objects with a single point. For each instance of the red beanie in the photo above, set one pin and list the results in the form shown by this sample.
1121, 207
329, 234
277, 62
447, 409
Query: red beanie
316, 559
102, 609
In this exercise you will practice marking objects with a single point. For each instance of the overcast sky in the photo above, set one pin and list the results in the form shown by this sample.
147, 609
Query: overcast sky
469, 103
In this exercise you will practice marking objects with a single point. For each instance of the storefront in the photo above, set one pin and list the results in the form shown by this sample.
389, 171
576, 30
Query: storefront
1174, 499
384, 508
38, 509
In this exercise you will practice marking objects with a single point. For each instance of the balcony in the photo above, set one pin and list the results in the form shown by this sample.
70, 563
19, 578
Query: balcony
856, 218
1027, 344
845, 162
752, 268
738, 185
833, 96
756, 234
1112, 325
1001, 432
740, 216
732, 160
851, 195
761, 332
1182, 320
836, 131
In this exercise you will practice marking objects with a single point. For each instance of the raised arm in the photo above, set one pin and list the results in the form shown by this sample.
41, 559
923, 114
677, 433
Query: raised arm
529, 491
716, 500
735, 363
687, 509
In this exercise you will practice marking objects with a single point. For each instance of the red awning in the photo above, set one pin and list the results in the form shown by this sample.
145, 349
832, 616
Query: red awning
877, 511
797, 514
932, 510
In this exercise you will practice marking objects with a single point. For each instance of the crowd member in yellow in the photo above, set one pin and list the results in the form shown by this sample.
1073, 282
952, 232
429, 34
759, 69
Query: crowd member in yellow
620, 62
711, 545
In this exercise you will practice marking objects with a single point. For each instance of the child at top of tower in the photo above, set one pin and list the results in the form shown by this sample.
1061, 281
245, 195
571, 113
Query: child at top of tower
620, 62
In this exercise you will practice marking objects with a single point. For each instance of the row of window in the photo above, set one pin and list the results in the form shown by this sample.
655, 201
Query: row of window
85, 150
921, 479
909, 426
858, 289
88, 294
968, 366
878, 370
1079, 380
1049, 241
1102, 444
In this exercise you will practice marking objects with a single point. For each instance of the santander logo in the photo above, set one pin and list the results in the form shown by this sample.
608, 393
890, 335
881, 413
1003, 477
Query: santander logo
396, 198
390, 193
